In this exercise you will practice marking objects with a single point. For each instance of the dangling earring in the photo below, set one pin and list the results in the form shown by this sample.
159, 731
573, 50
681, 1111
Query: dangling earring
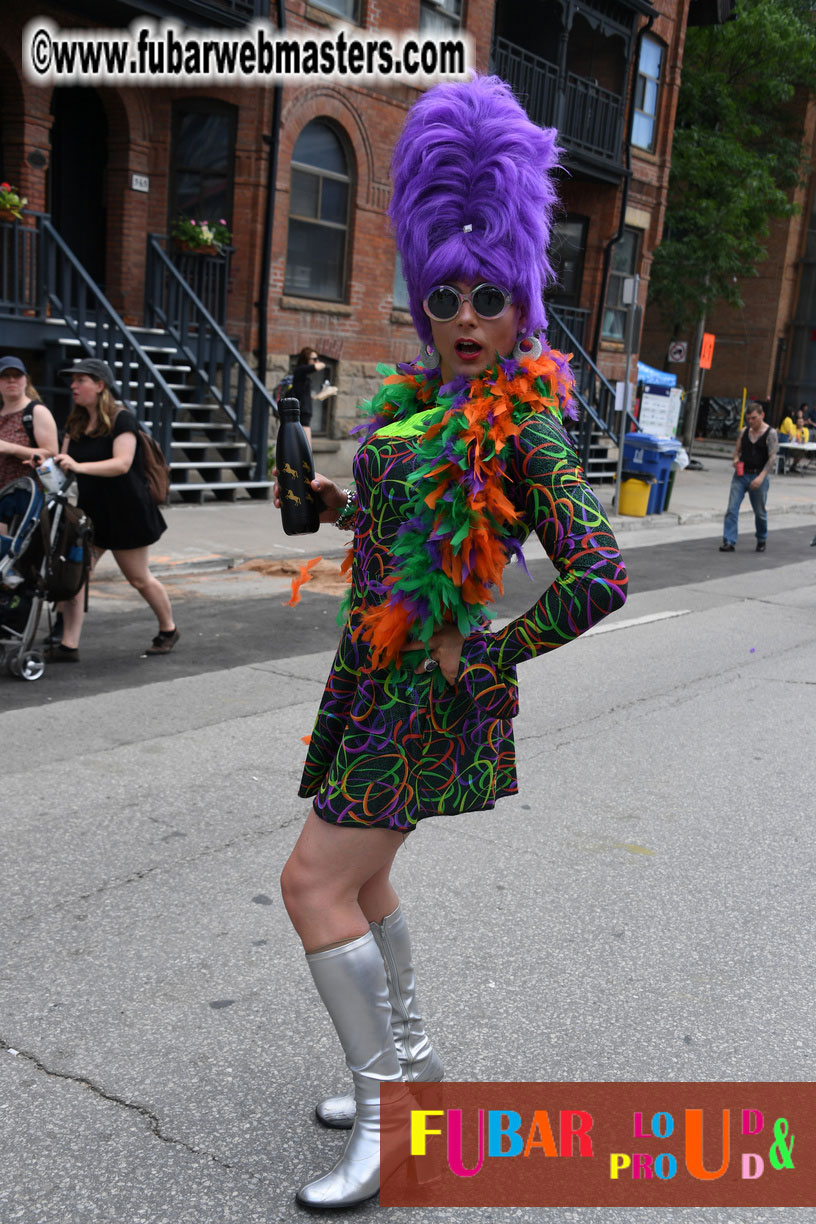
428, 359
527, 346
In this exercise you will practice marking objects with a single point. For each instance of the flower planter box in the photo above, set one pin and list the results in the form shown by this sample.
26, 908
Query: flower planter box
189, 249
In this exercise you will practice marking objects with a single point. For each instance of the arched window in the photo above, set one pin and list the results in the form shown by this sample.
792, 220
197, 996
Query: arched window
318, 215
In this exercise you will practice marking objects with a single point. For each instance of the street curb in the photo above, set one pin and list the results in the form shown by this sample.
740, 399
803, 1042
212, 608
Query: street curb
228, 562
215, 563
684, 519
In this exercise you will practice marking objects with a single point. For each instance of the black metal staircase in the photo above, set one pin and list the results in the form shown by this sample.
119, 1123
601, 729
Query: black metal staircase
597, 431
181, 374
224, 419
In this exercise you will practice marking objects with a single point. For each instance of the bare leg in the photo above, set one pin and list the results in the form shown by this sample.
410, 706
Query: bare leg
377, 897
133, 564
73, 610
321, 885
335, 883
327, 872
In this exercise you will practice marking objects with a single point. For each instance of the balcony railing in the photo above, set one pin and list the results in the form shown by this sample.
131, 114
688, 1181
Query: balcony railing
592, 118
19, 278
534, 80
208, 277
589, 119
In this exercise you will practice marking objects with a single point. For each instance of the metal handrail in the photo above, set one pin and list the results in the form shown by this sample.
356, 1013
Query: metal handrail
216, 362
68, 289
18, 264
594, 393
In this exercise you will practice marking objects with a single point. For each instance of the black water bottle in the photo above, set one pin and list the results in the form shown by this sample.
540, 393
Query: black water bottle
300, 505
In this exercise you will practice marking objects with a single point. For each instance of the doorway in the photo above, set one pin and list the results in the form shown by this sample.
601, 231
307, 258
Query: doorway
77, 180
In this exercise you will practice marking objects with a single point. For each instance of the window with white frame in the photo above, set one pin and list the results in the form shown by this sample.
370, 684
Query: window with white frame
316, 251
647, 89
439, 16
625, 263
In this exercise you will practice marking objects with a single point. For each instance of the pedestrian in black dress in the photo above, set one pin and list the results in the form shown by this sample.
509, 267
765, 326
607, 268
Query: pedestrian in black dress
305, 366
101, 447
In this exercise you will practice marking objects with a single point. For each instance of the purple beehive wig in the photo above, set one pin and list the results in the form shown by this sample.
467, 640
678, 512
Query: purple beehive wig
468, 155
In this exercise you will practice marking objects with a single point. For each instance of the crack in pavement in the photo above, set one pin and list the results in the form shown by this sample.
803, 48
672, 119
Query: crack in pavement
138, 876
148, 1115
268, 670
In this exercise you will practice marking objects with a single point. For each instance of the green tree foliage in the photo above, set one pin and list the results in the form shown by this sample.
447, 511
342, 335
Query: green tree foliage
737, 153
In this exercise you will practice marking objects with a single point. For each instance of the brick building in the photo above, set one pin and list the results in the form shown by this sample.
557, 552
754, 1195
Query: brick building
112, 165
768, 346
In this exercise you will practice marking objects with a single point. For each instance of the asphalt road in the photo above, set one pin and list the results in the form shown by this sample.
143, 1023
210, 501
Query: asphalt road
231, 620
642, 910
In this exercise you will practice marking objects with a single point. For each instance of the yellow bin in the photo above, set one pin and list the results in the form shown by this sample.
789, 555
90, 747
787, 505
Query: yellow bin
634, 497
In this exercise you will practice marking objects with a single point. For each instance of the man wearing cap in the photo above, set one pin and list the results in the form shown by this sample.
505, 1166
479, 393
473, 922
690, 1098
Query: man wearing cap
101, 447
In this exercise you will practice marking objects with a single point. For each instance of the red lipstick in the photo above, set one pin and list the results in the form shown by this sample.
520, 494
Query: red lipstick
468, 350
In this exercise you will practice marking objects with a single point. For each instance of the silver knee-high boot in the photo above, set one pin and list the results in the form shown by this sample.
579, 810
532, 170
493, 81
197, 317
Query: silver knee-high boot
418, 1059
352, 984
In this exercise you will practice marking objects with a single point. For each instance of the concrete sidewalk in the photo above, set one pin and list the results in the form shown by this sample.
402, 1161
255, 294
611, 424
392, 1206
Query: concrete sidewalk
221, 535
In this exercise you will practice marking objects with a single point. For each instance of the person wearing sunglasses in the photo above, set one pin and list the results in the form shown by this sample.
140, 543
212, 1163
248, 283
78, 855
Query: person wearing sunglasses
464, 453
306, 364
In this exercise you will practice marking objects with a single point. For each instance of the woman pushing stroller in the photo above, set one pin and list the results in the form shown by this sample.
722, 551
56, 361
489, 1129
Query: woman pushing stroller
101, 448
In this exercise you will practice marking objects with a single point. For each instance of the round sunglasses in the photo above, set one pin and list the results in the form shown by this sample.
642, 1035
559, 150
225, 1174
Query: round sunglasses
444, 302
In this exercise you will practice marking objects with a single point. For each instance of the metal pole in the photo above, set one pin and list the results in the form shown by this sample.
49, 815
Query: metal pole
694, 394
630, 286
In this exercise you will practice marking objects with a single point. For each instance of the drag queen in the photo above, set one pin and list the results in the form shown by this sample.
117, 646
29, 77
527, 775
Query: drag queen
463, 454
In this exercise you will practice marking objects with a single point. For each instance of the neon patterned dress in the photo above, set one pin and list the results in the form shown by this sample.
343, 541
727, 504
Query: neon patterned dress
450, 483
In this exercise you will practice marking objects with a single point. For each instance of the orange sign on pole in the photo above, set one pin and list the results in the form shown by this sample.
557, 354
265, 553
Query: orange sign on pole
707, 351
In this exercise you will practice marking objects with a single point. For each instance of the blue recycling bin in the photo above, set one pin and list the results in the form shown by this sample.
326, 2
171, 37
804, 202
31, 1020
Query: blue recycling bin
651, 456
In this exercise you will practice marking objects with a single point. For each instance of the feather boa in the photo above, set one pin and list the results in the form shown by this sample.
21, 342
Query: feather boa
456, 539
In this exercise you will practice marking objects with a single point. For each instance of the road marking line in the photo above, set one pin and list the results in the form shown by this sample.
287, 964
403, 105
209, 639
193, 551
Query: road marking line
637, 620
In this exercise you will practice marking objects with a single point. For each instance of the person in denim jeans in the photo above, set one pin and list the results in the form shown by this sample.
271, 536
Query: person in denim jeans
754, 459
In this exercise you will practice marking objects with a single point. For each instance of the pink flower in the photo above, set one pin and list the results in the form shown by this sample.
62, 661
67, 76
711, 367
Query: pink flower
222, 221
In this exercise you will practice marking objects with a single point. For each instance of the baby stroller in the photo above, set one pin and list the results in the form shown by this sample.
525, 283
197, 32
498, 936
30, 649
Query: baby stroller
45, 552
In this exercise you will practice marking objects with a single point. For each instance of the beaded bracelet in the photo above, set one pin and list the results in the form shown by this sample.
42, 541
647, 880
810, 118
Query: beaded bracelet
346, 517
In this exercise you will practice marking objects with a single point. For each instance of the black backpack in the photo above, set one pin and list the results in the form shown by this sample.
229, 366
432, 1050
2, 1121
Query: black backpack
28, 421
68, 561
